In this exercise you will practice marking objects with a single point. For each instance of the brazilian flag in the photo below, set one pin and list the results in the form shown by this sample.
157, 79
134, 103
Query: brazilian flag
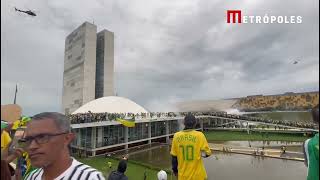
127, 123
25, 120
21, 123
24, 164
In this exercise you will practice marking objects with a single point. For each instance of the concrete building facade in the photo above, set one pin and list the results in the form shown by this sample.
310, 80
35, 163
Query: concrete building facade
81, 67
105, 64
98, 138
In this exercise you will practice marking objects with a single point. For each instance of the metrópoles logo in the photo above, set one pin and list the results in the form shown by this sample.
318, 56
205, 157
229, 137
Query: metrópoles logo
236, 16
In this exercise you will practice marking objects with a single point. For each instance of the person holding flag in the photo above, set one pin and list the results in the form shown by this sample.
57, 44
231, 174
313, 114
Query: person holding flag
23, 163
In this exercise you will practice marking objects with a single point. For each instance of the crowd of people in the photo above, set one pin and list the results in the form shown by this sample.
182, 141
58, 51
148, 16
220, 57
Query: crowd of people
99, 117
46, 142
271, 121
48, 136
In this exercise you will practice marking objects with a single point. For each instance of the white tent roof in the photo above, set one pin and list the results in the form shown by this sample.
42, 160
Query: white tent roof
111, 104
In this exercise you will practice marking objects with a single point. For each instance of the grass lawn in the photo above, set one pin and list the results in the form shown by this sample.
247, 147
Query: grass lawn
134, 171
254, 136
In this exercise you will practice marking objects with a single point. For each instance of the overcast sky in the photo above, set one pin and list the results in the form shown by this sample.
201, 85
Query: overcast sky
165, 51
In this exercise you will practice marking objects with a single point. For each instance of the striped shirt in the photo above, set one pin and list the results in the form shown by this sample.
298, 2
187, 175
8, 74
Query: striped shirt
76, 171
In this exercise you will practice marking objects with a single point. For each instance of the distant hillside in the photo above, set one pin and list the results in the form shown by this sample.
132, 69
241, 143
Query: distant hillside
286, 101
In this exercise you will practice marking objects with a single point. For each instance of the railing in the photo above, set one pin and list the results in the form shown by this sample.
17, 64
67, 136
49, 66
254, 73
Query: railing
149, 117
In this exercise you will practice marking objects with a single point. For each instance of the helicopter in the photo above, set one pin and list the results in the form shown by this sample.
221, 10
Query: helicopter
29, 12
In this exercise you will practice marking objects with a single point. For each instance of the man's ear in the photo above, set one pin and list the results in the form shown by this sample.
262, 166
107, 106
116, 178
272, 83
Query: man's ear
69, 137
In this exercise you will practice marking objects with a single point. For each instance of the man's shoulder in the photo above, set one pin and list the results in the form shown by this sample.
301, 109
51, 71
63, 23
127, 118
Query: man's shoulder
313, 139
197, 133
33, 174
177, 134
316, 137
85, 171
5, 136
77, 164
314, 142
191, 131
5, 133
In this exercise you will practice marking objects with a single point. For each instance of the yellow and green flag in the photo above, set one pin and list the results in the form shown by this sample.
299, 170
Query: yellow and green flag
127, 123
15, 125
21, 123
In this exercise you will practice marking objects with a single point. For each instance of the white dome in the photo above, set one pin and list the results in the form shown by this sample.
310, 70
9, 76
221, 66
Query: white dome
111, 104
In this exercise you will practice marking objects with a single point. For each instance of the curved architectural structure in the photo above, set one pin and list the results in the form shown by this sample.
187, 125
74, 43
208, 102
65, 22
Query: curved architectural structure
111, 104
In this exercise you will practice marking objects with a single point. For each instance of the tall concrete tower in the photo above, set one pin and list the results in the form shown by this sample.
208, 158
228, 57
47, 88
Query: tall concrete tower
105, 64
88, 66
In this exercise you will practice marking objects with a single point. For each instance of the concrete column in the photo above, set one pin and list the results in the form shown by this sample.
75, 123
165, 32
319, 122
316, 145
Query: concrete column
149, 132
126, 136
201, 124
93, 137
78, 134
167, 132
100, 135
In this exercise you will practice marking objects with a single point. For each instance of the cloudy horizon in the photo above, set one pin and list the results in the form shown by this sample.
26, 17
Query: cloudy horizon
165, 51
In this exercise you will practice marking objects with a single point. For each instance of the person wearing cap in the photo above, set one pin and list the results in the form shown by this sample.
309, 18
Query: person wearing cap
188, 148
119, 173
162, 175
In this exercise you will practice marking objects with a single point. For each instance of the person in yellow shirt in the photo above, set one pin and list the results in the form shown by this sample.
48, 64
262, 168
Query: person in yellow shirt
5, 157
23, 163
188, 148
5, 137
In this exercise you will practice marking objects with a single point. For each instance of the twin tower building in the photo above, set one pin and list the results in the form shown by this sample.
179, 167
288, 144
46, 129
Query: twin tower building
88, 66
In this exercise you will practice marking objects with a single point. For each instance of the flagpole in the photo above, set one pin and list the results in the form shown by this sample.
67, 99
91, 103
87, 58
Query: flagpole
15, 95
